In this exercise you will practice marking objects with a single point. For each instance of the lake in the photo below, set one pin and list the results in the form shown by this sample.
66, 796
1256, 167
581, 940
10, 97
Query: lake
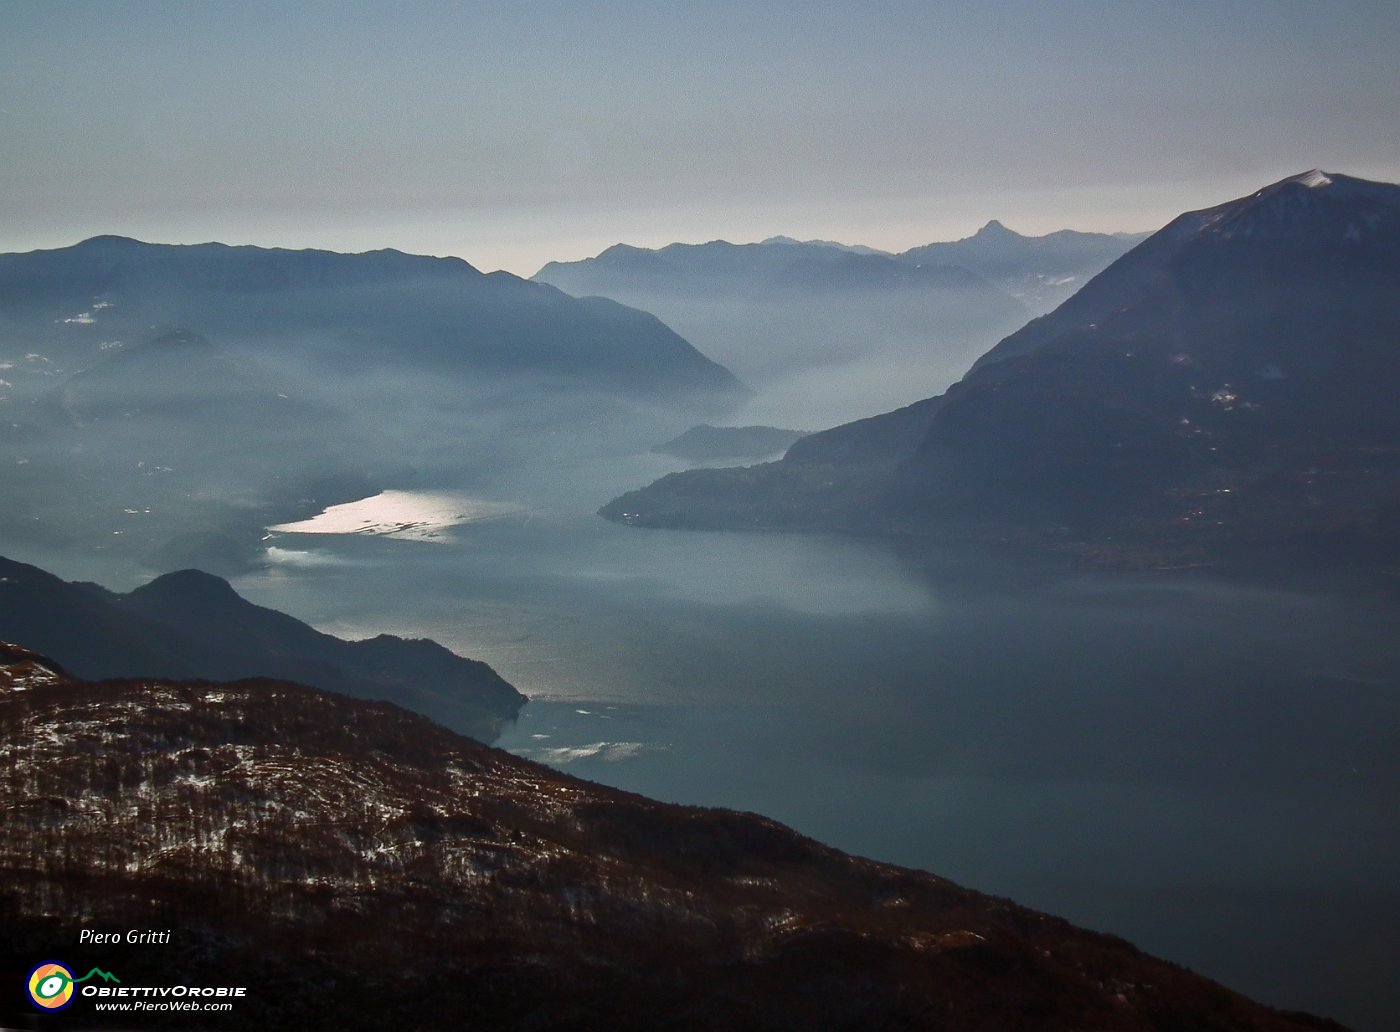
1207, 769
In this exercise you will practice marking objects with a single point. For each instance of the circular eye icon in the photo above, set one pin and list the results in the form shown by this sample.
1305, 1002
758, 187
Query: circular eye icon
51, 985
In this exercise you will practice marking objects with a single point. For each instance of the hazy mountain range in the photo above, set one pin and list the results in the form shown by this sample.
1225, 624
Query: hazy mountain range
827, 331
1041, 271
380, 308
820, 332
165, 403
1226, 386
855, 248
349, 861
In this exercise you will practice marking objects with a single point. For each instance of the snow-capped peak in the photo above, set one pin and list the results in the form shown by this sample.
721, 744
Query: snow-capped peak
1313, 178
1318, 204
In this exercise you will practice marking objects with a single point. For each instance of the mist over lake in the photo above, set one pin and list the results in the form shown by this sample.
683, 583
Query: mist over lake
716, 516
1205, 768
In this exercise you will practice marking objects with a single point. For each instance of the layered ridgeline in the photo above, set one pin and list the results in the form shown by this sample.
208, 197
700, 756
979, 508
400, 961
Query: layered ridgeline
1228, 385
382, 308
1040, 271
817, 329
168, 402
351, 864
837, 327
194, 625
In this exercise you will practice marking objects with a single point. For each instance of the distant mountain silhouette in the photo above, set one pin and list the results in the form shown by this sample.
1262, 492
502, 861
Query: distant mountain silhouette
354, 865
1041, 271
777, 264
438, 314
795, 319
194, 625
855, 248
1228, 385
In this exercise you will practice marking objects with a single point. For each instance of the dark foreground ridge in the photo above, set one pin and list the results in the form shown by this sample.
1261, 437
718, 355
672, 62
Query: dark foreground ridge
355, 865
191, 624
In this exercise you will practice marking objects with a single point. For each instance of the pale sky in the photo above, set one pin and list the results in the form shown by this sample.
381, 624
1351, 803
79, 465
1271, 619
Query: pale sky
513, 133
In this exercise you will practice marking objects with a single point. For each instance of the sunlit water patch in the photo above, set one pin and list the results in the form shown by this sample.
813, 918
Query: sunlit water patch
408, 515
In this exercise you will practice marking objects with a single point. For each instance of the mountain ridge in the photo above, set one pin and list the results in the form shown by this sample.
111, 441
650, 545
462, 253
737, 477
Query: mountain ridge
807, 322
301, 379
1226, 385
462, 317
191, 624
1039, 270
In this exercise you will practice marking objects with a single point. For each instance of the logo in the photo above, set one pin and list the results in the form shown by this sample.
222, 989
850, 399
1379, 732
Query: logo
51, 984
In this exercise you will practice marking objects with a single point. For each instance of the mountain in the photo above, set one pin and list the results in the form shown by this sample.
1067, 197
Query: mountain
350, 864
854, 248
1041, 271
194, 625
167, 403
1226, 387
383, 307
816, 329
720, 267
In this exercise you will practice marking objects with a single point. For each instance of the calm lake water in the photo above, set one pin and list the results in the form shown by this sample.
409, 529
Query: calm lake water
1211, 771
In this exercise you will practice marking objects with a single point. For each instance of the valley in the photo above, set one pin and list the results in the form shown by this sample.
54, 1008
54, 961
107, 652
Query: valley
978, 636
